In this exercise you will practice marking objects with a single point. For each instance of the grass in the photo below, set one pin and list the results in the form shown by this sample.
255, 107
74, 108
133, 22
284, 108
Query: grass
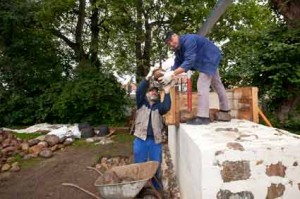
123, 138
122, 146
27, 136
30, 162
120, 138
82, 143
26, 163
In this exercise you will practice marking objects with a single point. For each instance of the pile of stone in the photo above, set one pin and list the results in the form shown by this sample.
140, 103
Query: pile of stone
12, 147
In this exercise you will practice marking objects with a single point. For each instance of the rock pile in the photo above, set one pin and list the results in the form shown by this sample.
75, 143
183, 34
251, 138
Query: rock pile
12, 147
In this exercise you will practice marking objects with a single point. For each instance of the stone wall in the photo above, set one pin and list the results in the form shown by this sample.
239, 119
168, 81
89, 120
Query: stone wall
238, 159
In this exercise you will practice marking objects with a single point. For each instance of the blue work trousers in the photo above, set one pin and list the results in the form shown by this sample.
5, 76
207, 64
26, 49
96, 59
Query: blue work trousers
148, 150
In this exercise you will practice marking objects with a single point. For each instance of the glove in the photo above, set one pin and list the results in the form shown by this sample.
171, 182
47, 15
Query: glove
150, 73
168, 87
167, 78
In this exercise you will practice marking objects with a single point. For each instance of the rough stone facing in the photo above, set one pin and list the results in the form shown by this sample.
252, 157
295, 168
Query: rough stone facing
276, 170
226, 194
275, 191
235, 146
235, 170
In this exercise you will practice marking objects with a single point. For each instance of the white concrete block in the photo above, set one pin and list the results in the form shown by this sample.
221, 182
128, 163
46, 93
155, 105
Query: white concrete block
237, 159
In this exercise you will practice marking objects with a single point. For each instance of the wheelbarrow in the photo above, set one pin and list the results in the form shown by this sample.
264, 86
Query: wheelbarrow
135, 176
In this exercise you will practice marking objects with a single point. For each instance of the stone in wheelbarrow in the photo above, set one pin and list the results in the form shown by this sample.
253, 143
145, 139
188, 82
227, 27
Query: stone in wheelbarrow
125, 182
111, 177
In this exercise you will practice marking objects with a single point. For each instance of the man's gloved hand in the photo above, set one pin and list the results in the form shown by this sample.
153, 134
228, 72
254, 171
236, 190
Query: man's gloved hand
168, 87
150, 73
167, 78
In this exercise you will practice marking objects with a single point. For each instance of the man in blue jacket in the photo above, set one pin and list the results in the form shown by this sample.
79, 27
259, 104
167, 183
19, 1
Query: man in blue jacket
149, 124
195, 52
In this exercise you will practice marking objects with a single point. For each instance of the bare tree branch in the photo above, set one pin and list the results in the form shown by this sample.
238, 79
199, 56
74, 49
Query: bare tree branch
64, 38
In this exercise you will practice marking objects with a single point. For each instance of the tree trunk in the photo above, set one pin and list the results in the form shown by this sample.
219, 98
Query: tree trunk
148, 47
79, 51
95, 35
139, 40
289, 108
89, 58
290, 10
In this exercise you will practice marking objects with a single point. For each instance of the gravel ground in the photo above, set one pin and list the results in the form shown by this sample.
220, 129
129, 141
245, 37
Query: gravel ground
169, 178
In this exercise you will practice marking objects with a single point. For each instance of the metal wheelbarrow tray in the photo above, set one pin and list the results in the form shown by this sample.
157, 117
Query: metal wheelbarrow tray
139, 173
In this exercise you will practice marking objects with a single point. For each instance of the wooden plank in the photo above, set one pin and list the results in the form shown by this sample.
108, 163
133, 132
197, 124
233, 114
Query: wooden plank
265, 119
245, 102
255, 109
177, 107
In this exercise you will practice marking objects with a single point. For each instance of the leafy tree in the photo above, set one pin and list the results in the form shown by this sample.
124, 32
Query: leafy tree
126, 36
38, 80
239, 30
47, 47
136, 29
277, 73
92, 97
77, 24
29, 62
265, 54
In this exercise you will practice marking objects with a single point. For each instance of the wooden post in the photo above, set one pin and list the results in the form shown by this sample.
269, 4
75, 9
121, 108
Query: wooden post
254, 96
172, 117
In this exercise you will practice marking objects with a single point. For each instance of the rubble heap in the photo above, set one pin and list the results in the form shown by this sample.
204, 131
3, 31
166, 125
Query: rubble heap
13, 148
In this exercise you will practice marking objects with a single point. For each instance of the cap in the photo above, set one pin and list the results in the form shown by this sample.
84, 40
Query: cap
168, 36
153, 88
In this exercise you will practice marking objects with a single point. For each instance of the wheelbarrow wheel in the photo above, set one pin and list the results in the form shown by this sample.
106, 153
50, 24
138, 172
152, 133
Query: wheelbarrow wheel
148, 193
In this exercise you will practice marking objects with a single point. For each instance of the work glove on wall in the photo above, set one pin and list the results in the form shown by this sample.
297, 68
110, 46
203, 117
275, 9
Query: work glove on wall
150, 73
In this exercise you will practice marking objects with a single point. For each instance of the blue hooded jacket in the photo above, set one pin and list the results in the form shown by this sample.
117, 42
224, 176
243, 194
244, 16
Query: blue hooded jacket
196, 52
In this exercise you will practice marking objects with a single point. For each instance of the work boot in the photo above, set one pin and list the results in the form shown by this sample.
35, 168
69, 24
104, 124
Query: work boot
222, 116
198, 121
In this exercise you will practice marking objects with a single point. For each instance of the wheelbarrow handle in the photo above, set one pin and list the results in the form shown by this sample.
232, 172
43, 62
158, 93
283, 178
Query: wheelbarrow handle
82, 189
92, 168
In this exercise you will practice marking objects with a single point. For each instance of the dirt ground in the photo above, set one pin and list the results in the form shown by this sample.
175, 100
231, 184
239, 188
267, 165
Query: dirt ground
44, 179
